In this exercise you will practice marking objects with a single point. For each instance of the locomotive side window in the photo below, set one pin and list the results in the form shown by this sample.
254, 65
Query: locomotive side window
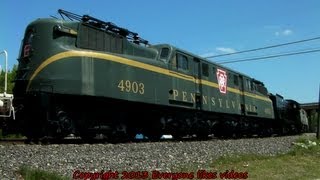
235, 80
253, 86
205, 69
248, 82
182, 62
164, 53
214, 73
250, 85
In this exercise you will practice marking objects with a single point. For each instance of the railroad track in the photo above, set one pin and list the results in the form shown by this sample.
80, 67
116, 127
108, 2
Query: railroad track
15, 141
12, 141
78, 140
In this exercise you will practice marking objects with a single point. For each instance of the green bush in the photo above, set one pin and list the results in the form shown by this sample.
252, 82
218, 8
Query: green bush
34, 174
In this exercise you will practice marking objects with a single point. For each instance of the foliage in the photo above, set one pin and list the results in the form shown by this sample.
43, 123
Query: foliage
302, 162
10, 78
306, 147
313, 121
10, 136
32, 174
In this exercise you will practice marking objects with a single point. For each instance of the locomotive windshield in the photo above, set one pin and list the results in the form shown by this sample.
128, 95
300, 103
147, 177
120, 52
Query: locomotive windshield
27, 41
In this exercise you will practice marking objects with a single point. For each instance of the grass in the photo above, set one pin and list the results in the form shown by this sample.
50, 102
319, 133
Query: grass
9, 136
295, 165
35, 174
302, 162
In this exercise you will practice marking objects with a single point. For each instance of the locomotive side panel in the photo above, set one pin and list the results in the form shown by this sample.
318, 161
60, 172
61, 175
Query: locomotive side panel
137, 78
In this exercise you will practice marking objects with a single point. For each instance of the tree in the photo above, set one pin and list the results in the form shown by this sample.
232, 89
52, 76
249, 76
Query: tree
10, 78
313, 121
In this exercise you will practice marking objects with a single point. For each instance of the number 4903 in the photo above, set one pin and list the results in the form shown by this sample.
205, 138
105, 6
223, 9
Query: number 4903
131, 86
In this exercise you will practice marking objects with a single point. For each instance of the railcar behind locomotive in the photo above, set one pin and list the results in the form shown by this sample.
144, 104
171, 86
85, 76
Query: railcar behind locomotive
89, 77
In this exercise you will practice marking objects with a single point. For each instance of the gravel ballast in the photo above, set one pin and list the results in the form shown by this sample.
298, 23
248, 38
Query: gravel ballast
66, 159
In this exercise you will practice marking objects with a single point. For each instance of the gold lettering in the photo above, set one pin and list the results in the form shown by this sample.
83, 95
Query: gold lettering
220, 102
213, 102
193, 98
204, 99
247, 108
184, 96
175, 94
233, 104
131, 86
141, 88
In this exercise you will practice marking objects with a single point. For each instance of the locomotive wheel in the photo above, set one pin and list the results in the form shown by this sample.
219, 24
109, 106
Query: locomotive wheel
86, 137
153, 131
35, 128
119, 133
202, 129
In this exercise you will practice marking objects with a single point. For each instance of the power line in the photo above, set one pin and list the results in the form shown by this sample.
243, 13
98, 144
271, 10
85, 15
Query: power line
266, 47
268, 57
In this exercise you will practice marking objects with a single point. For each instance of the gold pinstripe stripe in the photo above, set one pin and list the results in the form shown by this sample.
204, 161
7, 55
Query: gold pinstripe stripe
133, 63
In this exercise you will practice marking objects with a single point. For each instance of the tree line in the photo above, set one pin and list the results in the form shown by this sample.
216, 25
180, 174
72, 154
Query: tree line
10, 78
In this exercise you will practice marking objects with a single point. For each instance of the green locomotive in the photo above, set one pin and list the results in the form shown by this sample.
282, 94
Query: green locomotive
89, 77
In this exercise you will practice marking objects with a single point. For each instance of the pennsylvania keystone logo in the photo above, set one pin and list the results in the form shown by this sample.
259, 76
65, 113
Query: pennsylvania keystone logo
222, 81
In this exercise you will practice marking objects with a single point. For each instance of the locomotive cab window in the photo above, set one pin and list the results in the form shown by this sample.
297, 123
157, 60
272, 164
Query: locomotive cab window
205, 69
164, 53
182, 62
261, 89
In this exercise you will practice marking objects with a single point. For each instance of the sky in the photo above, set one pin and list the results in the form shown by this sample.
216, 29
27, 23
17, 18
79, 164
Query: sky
202, 27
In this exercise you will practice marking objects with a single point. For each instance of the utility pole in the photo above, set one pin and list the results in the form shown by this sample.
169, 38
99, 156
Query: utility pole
318, 121
6, 70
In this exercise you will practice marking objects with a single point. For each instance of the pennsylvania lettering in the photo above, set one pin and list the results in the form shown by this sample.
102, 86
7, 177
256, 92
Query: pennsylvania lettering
223, 103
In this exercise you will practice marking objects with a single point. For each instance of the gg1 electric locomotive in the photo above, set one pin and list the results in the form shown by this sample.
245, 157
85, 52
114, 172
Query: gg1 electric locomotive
86, 77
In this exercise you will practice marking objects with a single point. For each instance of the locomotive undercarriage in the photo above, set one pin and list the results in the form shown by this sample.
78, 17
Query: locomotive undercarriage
53, 116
